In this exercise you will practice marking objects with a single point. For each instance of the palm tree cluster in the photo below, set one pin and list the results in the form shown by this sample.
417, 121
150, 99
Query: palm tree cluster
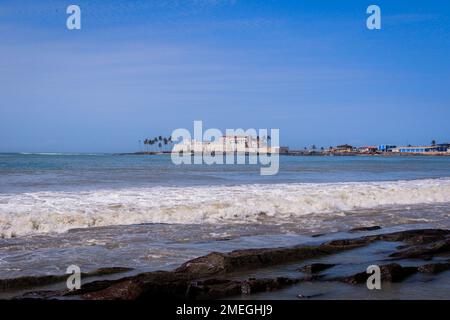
159, 142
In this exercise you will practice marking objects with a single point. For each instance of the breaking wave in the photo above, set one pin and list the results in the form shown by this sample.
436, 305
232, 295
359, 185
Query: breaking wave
45, 212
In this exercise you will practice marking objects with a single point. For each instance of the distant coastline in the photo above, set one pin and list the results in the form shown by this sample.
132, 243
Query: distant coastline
315, 154
255, 145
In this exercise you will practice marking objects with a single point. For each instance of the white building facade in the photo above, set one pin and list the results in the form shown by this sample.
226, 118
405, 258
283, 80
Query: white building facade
227, 144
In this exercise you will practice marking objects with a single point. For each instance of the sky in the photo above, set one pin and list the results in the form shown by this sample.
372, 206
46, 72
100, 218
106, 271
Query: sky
138, 69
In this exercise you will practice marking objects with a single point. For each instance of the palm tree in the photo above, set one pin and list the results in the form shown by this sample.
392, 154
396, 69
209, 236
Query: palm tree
169, 139
313, 147
433, 142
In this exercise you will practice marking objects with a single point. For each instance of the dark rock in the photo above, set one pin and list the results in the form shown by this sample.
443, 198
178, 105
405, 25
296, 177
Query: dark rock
220, 263
220, 288
29, 281
230, 288
203, 277
422, 243
133, 289
37, 281
39, 295
315, 267
395, 273
412, 237
391, 272
357, 278
371, 228
359, 242
301, 296
210, 264
152, 285
124, 290
424, 251
434, 267
106, 271
318, 235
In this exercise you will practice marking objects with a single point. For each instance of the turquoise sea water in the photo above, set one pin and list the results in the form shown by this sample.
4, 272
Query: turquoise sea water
39, 172
146, 213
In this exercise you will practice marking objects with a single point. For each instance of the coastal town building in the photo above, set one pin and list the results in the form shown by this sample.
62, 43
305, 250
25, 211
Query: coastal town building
444, 147
386, 147
368, 149
344, 148
438, 148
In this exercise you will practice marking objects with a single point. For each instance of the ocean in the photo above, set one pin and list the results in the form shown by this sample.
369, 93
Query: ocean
144, 212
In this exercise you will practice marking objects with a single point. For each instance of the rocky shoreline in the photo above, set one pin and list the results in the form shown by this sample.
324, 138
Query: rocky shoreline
232, 275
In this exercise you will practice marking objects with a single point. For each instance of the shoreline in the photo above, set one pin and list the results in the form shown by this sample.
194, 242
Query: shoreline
311, 154
316, 270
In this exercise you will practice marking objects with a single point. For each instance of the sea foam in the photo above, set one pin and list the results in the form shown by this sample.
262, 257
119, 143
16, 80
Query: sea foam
44, 212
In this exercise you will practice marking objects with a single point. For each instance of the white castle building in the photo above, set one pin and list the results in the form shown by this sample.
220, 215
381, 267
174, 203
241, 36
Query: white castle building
227, 144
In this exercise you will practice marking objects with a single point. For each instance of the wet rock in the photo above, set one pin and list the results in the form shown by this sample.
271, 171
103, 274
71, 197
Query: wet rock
107, 271
391, 272
221, 263
302, 296
212, 263
134, 289
204, 277
395, 273
371, 228
317, 235
259, 285
218, 291
424, 251
39, 295
316, 267
434, 267
125, 290
414, 237
223, 239
357, 278
29, 282
247, 287
37, 281
358, 242
152, 285
422, 243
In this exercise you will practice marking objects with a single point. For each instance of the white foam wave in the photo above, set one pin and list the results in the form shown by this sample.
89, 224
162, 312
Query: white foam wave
43, 212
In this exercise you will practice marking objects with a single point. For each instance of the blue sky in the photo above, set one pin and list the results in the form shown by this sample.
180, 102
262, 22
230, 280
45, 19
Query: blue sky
138, 69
